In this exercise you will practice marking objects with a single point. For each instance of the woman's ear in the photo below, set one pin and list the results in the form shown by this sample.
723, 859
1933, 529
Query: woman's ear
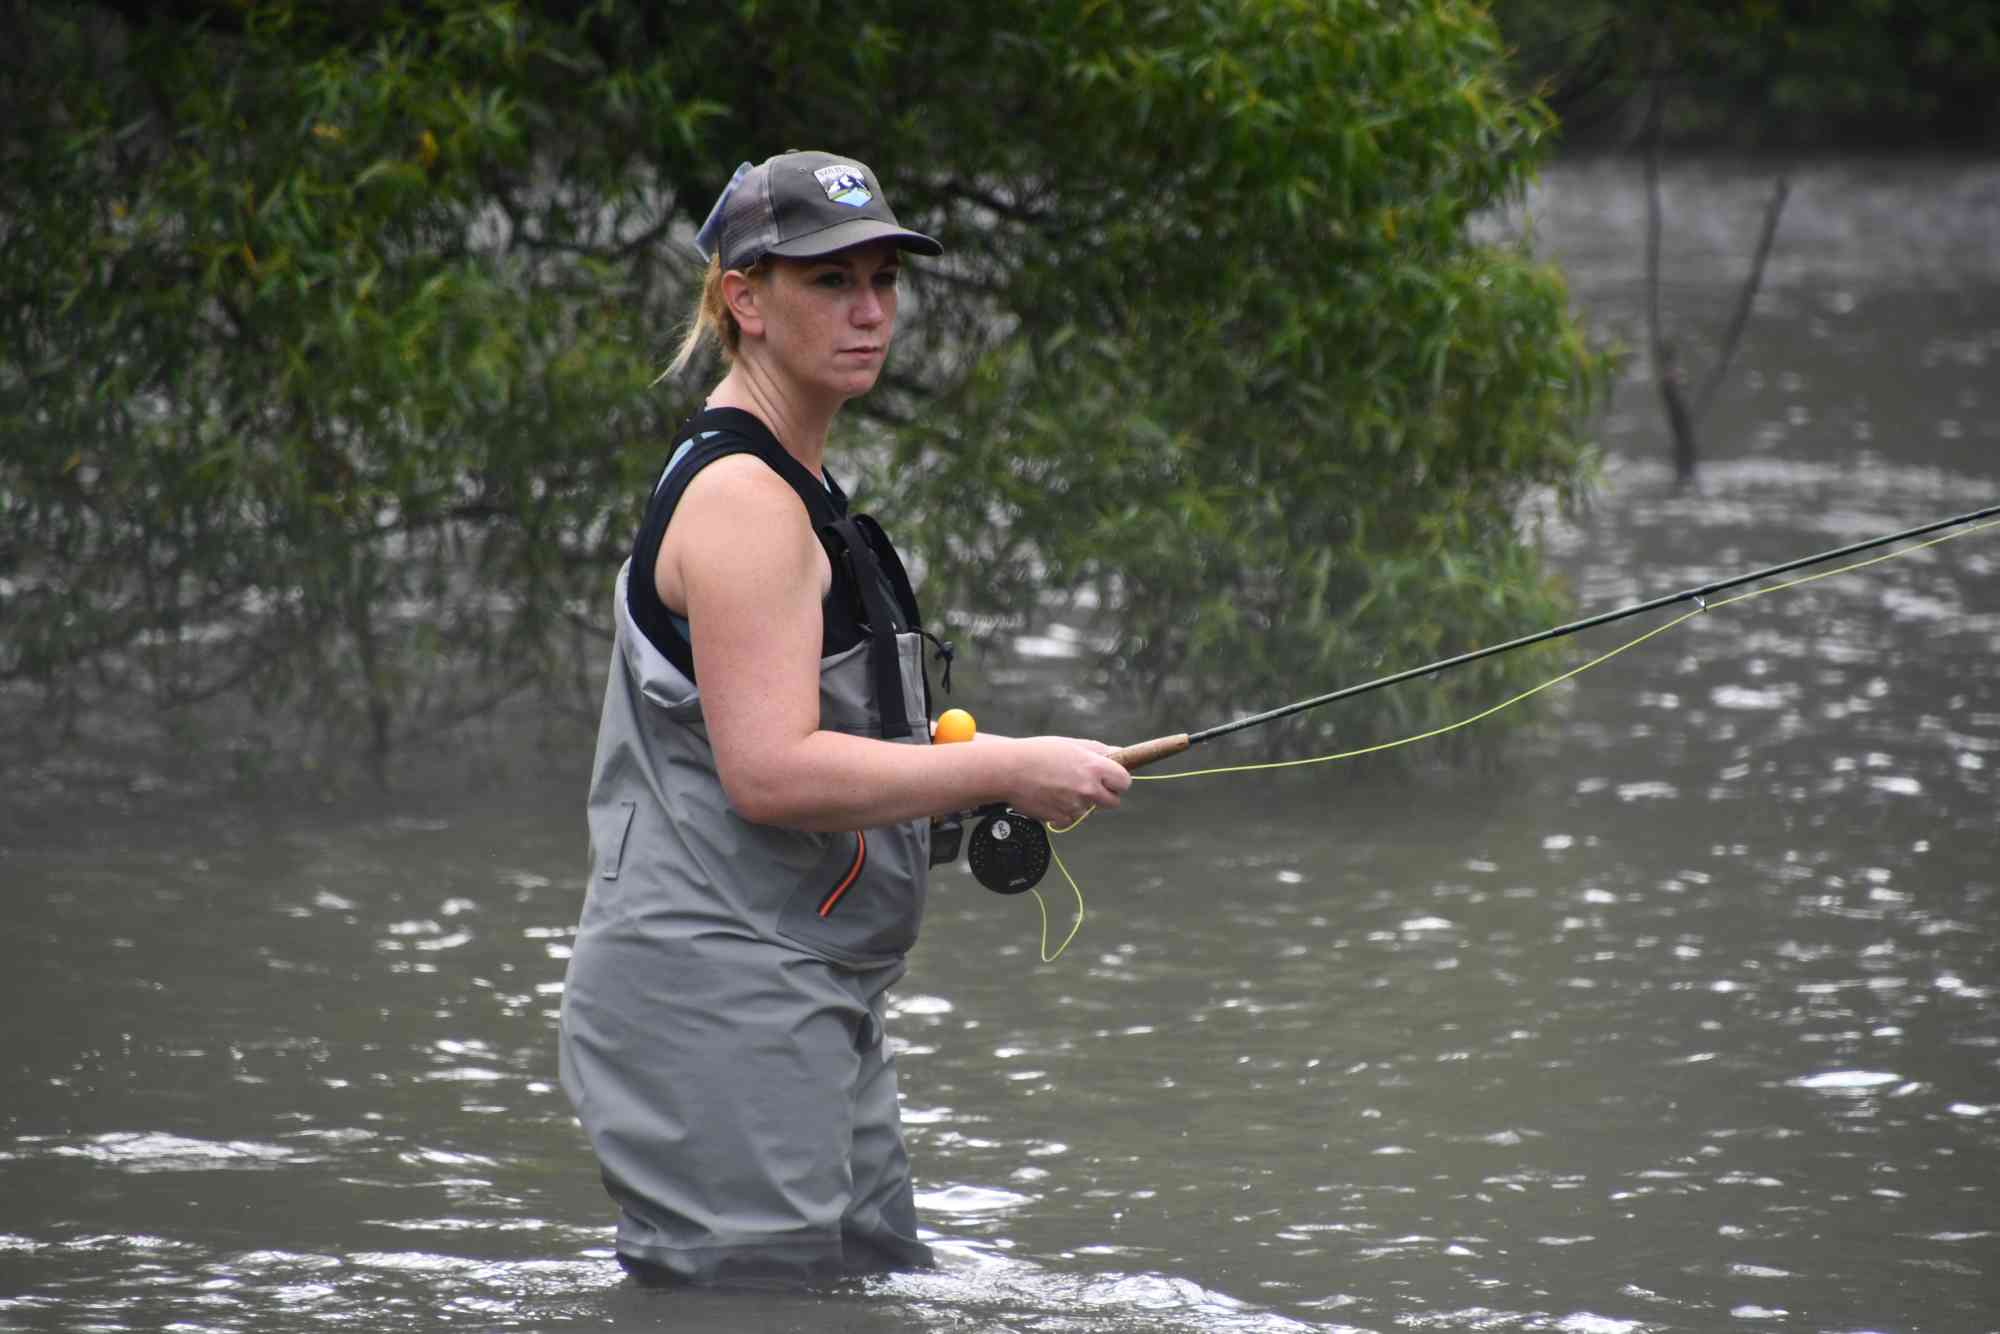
740, 295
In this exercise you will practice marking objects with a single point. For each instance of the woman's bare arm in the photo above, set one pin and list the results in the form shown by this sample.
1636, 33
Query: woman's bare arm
740, 557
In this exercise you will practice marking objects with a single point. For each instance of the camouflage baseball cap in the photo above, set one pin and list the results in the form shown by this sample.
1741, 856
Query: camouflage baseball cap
800, 205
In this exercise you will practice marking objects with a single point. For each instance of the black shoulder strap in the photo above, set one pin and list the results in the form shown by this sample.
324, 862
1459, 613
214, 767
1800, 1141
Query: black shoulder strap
739, 432
892, 567
729, 431
886, 612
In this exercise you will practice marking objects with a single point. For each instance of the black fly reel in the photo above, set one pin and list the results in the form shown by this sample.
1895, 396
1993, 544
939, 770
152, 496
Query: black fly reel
1008, 851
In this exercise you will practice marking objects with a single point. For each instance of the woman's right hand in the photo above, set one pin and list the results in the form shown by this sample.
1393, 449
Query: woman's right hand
1057, 780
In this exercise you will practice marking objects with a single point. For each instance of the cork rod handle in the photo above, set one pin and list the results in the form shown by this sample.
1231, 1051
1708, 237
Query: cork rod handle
1150, 752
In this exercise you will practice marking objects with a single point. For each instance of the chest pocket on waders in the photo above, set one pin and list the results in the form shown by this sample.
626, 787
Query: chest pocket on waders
863, 901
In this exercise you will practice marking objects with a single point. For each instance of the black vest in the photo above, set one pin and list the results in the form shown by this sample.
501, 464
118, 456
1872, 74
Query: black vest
870, 600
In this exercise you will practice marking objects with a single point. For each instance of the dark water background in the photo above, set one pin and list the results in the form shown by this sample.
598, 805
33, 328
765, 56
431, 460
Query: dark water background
1687, 1017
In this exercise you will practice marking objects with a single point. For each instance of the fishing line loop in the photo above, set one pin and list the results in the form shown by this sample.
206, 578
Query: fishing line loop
1076, 924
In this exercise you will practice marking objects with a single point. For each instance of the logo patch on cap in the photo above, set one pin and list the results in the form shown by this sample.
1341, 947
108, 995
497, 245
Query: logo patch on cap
844, 184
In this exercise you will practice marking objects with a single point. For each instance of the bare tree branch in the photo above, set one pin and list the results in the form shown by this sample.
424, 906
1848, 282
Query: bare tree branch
1747, 298
1666, 360
1684, 419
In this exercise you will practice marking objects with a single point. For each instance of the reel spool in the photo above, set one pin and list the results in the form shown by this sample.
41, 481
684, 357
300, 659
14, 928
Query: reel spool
1008, 852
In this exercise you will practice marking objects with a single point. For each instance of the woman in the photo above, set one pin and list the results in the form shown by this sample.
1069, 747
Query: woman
760, 840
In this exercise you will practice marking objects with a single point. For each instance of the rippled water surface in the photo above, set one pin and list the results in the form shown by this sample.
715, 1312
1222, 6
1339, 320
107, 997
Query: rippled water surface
1686, 1018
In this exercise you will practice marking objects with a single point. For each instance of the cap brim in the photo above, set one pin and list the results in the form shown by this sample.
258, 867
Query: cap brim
847, 235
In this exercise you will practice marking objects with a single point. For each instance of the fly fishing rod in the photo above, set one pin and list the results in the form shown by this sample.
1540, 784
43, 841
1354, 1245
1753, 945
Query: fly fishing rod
1009, 852
1160, 748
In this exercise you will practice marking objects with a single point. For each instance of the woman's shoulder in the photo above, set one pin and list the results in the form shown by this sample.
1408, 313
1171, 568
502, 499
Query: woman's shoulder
745, 485
717, 434
709, 435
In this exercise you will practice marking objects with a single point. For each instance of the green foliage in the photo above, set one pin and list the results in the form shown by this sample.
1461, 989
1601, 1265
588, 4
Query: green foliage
330, 331
1262, 396
1767, 72
324, 352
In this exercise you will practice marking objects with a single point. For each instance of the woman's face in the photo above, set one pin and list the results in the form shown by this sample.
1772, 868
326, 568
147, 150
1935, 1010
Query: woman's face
827, 321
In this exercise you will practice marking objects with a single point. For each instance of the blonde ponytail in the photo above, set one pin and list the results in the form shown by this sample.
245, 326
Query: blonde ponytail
711, 320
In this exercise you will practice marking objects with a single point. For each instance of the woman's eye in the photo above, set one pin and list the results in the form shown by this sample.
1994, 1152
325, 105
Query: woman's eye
832, 278
886, 280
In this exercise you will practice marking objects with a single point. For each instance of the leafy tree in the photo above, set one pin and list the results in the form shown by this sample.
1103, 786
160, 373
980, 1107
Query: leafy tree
323, 356
331, 332
1261, 393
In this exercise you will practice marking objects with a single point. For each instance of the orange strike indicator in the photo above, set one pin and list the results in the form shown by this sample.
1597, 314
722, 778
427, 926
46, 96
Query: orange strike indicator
953, 725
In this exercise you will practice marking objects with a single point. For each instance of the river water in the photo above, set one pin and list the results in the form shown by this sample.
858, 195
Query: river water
1685, 1016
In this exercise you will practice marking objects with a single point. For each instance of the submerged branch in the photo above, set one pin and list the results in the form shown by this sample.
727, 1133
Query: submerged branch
1746, 299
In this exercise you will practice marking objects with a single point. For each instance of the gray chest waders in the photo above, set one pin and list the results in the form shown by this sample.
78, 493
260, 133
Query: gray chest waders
721, 1034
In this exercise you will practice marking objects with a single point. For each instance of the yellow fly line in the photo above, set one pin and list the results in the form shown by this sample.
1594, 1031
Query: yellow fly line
1599, 660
